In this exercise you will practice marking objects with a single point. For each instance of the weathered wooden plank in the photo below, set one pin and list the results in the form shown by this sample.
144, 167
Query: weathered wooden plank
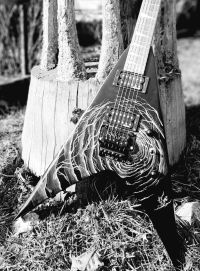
171, 94
27, 134
37, 129
86, 92
47, 119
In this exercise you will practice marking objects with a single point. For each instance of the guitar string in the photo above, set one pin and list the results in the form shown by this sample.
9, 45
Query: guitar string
147, 44
155, 9
126, 79
134, 57
117, 100
122, 98
141, 69
136, 77
120, 89
127, 75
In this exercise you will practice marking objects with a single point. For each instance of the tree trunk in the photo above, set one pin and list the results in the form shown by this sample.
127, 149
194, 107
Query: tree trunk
112, 42
47, 123
171, 95
53, 93
129, 10
50, 35
70, 63
23, 41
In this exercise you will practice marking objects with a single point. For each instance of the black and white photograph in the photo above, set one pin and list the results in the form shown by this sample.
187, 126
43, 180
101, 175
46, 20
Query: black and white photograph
99, 135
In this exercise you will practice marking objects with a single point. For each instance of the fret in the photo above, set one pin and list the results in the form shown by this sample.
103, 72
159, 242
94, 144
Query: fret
145, 22
145, 31
138, 50
154, 2
142, 37
152, 10
140, 40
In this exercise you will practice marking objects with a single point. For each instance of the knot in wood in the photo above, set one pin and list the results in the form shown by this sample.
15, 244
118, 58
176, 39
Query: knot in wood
76, 114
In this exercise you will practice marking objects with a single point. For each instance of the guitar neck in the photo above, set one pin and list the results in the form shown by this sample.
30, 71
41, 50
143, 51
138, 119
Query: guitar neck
142, 37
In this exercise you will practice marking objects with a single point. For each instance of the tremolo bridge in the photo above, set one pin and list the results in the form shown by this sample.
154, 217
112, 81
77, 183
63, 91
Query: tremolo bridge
118, 135
131, 80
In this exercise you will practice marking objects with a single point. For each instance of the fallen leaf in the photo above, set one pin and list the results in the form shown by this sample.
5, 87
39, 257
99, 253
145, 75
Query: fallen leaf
21, 226
190, 212
88, 261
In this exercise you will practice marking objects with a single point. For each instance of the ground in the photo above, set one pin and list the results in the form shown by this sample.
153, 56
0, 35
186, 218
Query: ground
124, 237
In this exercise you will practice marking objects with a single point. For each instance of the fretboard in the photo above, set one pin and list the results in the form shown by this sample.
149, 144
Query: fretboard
142, 37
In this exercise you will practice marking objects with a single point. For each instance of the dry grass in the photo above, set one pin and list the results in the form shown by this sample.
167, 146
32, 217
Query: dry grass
125, 240
10, 140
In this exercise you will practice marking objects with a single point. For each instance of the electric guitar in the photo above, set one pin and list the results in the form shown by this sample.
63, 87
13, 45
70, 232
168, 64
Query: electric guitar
122, 129
122, 132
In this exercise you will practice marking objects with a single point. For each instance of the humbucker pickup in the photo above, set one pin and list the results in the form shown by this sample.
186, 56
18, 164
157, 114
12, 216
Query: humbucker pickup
131, 80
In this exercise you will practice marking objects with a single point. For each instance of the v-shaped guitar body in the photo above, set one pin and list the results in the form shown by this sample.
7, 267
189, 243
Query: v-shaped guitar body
121, 131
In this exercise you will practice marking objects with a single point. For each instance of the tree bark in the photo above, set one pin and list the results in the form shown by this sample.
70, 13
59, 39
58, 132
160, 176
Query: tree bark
112, 41
129, 10
50, 35
171, 95
70, 63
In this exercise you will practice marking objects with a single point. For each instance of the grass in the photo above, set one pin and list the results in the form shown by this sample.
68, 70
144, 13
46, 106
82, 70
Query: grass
124, 236
125, 240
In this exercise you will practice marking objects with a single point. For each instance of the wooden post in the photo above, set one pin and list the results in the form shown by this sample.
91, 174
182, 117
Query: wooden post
112, 42
70, 63
23, 40
55, 93
50, 35
169, 74
49, 110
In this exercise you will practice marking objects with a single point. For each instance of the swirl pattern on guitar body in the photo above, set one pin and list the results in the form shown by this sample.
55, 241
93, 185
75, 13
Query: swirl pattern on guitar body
82, 151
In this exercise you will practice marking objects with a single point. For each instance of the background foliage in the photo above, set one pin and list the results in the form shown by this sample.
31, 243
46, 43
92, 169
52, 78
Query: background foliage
10, 36
89, 32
